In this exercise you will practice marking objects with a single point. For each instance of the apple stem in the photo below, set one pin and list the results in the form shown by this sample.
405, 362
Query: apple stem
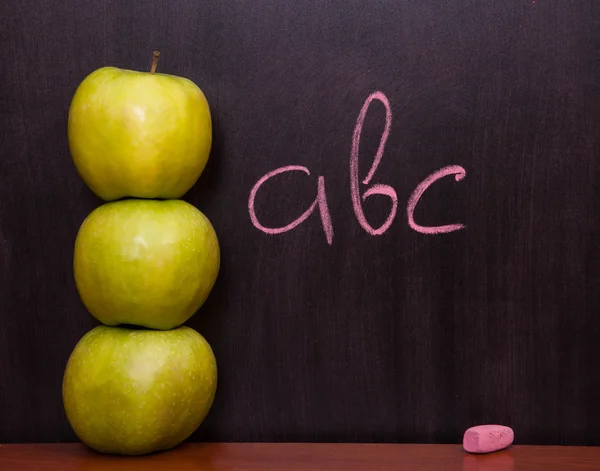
155, 57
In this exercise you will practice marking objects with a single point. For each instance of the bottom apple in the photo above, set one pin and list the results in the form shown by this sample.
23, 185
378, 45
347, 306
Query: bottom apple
131, 391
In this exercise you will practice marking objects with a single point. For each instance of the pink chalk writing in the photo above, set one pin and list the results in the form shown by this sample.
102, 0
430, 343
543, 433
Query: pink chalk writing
376, 189
320, 200
459, 173
355, 192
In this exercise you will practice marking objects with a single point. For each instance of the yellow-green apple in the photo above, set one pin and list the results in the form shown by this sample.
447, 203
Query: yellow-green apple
149, 263
136, 391
139, 134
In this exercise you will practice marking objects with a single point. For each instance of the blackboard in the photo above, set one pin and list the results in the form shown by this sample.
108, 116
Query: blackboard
401, 336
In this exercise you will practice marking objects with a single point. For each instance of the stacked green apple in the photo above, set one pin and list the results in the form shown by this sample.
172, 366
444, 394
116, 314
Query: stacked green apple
144, 262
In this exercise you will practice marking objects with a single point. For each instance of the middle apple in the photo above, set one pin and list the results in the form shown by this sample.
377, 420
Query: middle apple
150, 263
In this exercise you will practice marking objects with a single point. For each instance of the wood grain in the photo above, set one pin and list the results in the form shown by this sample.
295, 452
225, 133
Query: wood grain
300, 457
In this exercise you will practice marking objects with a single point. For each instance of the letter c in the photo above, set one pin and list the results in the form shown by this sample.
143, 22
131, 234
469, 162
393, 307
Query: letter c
459, 173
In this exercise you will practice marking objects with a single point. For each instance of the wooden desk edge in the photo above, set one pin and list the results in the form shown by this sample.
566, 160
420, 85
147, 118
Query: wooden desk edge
293, 456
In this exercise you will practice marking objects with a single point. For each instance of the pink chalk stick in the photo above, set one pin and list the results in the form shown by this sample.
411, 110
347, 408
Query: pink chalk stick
487, 438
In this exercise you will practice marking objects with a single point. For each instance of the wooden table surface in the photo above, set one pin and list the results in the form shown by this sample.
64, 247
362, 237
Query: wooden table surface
300, 457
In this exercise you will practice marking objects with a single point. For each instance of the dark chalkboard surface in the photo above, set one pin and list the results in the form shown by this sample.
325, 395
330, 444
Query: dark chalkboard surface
396, 334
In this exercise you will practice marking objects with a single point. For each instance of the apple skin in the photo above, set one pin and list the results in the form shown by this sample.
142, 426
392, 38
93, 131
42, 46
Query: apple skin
137, 391
147, 263
139, 134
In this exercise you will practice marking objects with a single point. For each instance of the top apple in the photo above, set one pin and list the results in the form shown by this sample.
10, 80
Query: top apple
139, 134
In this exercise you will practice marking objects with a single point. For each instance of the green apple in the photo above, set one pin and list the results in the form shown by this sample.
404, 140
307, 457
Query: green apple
148, 263
139, 134
136, 391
